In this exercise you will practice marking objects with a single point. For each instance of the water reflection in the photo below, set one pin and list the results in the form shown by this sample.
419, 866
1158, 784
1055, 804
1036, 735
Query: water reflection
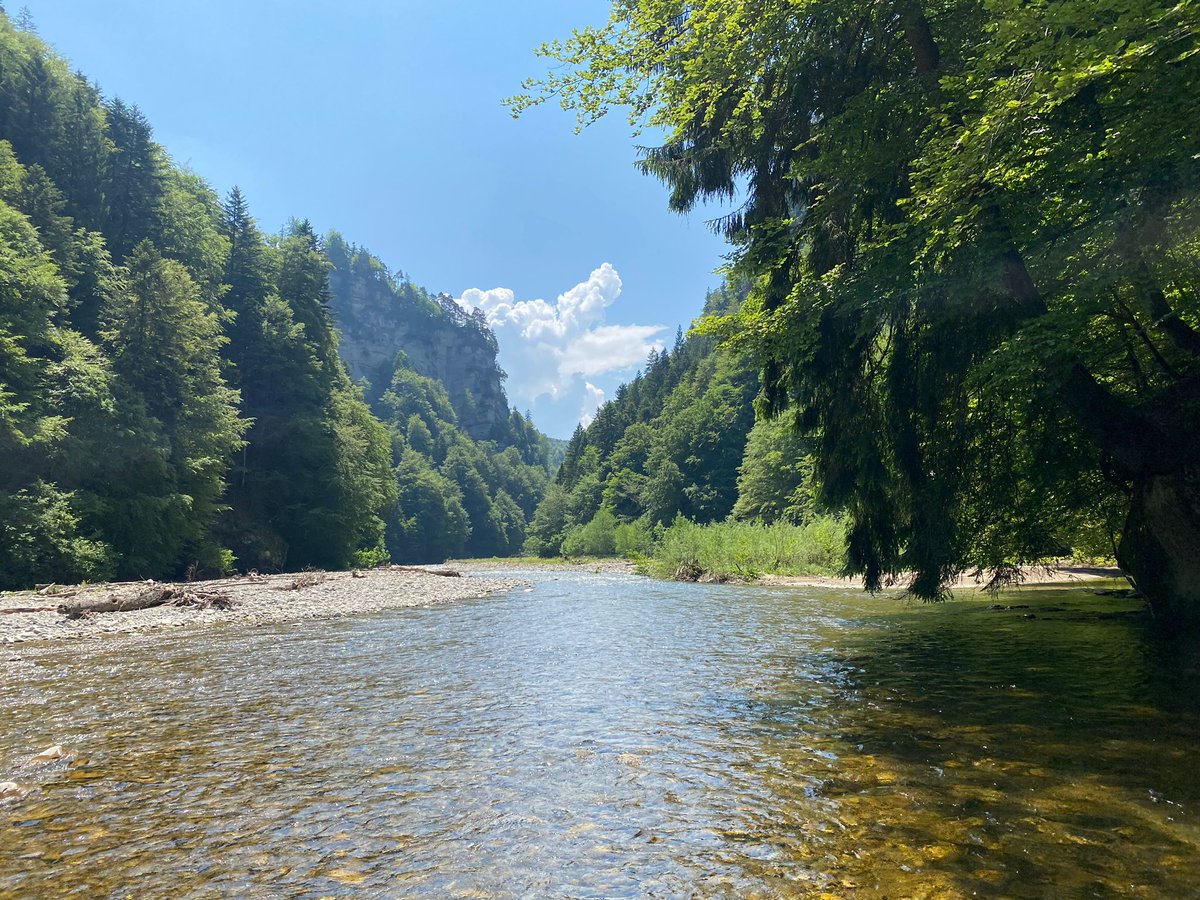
609, 737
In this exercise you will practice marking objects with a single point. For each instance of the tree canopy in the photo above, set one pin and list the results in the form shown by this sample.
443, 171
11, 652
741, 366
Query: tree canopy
970, 230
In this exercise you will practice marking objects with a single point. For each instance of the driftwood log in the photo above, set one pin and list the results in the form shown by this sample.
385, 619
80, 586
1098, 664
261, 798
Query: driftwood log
445, 573
148, 597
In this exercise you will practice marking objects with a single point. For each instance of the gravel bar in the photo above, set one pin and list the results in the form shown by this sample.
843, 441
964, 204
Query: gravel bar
255, 600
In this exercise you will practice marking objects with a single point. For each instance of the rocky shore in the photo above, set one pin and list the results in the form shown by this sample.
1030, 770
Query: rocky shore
62, 612
597, 566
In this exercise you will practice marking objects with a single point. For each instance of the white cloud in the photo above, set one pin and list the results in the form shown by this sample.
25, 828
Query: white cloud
592, 402
607, 348
548, 349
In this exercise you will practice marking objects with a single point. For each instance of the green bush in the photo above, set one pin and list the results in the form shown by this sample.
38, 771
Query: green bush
597, 538
371, 557
633, 540
39, 539
747, 550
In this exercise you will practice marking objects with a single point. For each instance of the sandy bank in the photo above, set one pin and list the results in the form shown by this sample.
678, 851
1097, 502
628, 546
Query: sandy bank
29, 616
553, 564
1054, 575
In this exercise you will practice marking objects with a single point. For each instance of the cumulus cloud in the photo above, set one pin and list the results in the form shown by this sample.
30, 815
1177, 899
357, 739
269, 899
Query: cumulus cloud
548, 349
593, 400
608, 348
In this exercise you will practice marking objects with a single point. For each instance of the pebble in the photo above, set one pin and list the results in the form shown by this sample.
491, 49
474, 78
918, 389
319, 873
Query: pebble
50, 753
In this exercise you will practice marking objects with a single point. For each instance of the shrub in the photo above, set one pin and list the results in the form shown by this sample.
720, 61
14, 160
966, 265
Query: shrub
597, 538
746, 550
633, 539
371, 557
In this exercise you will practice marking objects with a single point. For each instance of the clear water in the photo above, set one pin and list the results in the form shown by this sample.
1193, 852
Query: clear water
606, 736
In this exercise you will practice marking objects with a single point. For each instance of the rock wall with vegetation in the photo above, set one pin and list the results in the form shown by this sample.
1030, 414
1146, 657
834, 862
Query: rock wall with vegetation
381, 315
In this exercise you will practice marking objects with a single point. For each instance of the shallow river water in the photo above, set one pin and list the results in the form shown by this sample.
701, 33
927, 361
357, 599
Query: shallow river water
609, 736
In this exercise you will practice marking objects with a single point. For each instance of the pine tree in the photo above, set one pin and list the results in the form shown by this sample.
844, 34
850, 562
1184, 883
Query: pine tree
133, 180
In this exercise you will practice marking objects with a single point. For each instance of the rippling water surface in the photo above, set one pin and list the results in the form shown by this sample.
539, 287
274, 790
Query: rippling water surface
606, 736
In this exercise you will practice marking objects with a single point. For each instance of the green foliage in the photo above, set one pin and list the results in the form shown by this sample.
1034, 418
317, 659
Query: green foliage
549, 524
160, 337
722, 550
971, 235
775, 480
171, 395
597, 538
53, 392
670, 443
633, 540
429, 522
39, 537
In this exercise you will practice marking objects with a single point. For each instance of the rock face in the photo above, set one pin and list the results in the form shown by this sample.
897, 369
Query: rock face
380, 316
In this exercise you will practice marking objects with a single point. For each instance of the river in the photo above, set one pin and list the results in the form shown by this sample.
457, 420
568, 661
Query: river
610, 736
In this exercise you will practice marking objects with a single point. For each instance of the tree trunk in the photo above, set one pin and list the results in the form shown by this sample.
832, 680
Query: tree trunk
1160, 547
147, 598
155, 595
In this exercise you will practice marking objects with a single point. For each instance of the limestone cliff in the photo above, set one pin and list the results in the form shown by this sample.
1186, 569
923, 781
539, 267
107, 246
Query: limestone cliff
380, 315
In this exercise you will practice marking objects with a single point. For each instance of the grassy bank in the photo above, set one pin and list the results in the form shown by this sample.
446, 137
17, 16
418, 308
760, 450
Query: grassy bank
720, 551
742, 550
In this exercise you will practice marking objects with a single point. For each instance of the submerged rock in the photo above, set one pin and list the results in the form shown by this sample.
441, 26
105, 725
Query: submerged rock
50, 754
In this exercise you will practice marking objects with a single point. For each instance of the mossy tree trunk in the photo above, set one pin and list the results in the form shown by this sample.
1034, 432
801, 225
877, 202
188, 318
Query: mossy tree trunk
1160, 547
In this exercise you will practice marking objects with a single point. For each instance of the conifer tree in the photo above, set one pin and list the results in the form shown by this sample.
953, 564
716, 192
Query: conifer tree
133, 180
161, 337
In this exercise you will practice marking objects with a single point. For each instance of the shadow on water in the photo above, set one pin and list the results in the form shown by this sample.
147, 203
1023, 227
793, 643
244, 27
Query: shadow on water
1045, 751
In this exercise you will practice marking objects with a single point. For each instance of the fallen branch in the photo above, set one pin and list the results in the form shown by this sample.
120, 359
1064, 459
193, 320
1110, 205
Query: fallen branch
304, 580
148, 598
203, 599
445, 573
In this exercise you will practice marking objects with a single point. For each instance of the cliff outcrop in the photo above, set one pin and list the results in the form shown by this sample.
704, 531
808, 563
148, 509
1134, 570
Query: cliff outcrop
381, 315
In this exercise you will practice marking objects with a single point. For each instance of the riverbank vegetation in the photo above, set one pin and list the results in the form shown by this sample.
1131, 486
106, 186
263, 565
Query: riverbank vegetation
172, 397
717, 551
676, 473
970, 241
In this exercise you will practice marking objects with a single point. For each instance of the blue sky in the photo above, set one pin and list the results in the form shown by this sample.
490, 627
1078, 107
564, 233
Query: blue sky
384, 120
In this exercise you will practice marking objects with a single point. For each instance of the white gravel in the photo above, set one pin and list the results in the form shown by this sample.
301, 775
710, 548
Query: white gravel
256, 601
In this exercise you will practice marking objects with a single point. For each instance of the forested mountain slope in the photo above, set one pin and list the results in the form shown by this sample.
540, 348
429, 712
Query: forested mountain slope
172, 397
678, 440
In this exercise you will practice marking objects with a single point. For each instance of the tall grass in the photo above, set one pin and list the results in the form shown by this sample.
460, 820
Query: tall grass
725, 550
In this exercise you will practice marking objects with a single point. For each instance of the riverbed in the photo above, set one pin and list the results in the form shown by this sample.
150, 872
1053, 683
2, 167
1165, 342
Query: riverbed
603, 735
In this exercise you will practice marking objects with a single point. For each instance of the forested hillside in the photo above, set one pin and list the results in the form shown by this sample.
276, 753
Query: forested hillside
172, 399
680, 440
